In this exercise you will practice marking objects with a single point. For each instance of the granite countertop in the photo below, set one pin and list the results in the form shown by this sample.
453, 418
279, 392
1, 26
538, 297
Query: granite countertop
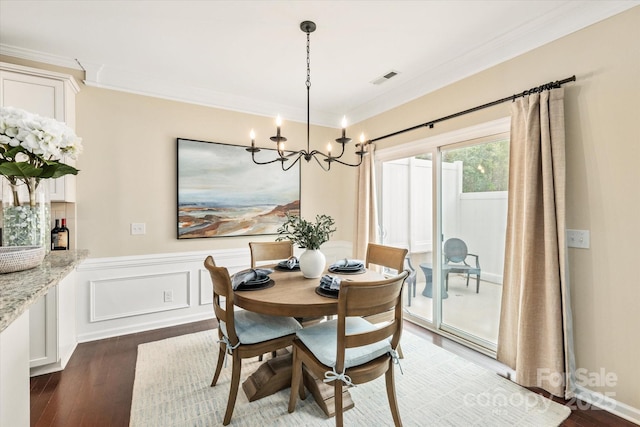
21, 289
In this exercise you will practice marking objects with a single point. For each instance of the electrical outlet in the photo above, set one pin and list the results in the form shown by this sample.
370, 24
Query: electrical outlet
578, 239
168, 296
138, 228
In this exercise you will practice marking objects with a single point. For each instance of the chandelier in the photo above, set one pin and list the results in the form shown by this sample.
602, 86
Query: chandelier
288, 159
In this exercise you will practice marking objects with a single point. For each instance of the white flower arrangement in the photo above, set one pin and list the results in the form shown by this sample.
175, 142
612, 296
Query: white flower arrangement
32, 146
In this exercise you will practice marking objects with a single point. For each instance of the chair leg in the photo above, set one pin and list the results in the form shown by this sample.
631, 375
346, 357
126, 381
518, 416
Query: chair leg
446, 281
296, 379
337, 398
219, 364
233, 391
467, 280
477, 283
391, 395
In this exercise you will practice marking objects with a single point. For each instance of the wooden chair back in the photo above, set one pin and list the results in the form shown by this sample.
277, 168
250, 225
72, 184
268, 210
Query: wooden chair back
222, 287
386, 256
368, 299
270, 251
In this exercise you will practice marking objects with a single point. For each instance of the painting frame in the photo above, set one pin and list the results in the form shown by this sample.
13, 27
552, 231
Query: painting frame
221, 193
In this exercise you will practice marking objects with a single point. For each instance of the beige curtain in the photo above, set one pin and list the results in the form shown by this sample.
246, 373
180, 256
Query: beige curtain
535, 337
366, 205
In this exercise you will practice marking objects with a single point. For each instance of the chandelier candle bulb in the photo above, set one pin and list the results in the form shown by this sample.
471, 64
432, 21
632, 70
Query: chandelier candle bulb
344, 126
252, 135
329, 149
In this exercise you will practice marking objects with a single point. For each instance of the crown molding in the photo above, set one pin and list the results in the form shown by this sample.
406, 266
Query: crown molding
33, 55
514, 42
536, 33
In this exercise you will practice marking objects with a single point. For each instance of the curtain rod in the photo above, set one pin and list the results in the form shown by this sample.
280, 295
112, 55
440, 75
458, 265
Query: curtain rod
546, 86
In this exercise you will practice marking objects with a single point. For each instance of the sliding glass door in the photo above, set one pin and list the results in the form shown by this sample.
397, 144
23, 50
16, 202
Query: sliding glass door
446, 201
407, 222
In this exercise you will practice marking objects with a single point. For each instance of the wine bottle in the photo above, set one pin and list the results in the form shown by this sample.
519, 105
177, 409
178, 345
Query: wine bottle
54, 235
63, 236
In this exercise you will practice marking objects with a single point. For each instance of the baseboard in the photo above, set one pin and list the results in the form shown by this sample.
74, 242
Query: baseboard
54, 367
143, 327
608, 404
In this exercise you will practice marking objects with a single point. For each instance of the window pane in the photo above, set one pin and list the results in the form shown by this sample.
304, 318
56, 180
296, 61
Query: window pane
474, 208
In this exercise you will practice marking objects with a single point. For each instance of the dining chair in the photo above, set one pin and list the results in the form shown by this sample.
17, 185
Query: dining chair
389, 257
270, 251
350, 350
276, 251
243, 334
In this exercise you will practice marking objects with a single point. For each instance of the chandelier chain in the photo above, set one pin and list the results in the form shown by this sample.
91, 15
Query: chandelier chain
308, 61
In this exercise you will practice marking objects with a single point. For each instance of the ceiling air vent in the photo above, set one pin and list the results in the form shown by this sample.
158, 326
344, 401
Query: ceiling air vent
384, 78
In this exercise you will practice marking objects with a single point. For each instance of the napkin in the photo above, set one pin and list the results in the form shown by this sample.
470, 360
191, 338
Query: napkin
244, 276
330, 282
348, 263
291, 263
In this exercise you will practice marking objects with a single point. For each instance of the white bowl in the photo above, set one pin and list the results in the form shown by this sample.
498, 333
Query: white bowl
18, 258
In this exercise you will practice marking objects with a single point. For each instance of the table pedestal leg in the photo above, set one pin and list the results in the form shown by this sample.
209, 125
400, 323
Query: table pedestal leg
270, 377
324, 394
275, 375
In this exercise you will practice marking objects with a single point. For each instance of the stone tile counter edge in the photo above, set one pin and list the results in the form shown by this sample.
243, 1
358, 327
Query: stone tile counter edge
21, 289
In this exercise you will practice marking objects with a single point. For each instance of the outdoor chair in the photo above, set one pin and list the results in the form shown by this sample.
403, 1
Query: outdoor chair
455, 261
411, 280
243, 334
350, 350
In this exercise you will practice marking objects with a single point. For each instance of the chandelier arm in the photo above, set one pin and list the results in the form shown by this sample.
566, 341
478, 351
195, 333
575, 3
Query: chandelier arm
296, 153
321, 165
348, 164
278, 159
341, 152
292, 164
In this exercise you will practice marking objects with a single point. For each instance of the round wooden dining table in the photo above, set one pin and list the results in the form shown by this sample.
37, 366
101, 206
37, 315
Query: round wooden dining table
294, 295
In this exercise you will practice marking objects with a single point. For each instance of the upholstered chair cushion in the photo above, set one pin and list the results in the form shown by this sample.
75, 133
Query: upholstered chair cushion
253, 327
322, 338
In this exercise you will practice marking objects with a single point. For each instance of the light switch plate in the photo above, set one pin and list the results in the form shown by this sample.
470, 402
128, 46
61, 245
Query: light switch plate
578, 239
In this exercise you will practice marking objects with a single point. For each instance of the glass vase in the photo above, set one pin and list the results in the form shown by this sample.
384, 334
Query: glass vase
26, 213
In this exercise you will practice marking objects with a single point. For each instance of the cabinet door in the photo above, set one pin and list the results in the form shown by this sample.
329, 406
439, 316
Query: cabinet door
43, 326
45, 97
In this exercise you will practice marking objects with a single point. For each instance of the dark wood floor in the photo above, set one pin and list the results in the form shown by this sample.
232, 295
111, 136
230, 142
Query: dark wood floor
96, 386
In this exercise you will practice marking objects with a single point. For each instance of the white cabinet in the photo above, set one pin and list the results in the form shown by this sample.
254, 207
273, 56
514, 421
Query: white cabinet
52, 328
48, 94
14, 373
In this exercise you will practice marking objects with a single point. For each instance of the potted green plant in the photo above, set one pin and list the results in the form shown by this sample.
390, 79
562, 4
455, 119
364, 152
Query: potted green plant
310, 236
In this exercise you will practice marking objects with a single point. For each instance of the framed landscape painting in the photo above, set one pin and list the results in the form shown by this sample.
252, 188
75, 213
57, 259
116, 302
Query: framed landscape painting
222, 193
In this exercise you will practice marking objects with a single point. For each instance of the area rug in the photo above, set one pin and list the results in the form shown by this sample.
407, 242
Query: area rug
438, 388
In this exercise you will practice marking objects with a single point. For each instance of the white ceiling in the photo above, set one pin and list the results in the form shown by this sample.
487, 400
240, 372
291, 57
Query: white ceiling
250, 56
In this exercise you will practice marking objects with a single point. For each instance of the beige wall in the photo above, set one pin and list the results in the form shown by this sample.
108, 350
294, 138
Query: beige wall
603, 178
128, 170
128, 173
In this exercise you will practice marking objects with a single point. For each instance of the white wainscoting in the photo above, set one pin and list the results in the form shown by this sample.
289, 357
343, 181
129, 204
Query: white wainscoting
123, 295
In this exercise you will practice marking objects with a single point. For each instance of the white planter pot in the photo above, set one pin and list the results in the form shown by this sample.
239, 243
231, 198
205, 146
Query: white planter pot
312, 263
